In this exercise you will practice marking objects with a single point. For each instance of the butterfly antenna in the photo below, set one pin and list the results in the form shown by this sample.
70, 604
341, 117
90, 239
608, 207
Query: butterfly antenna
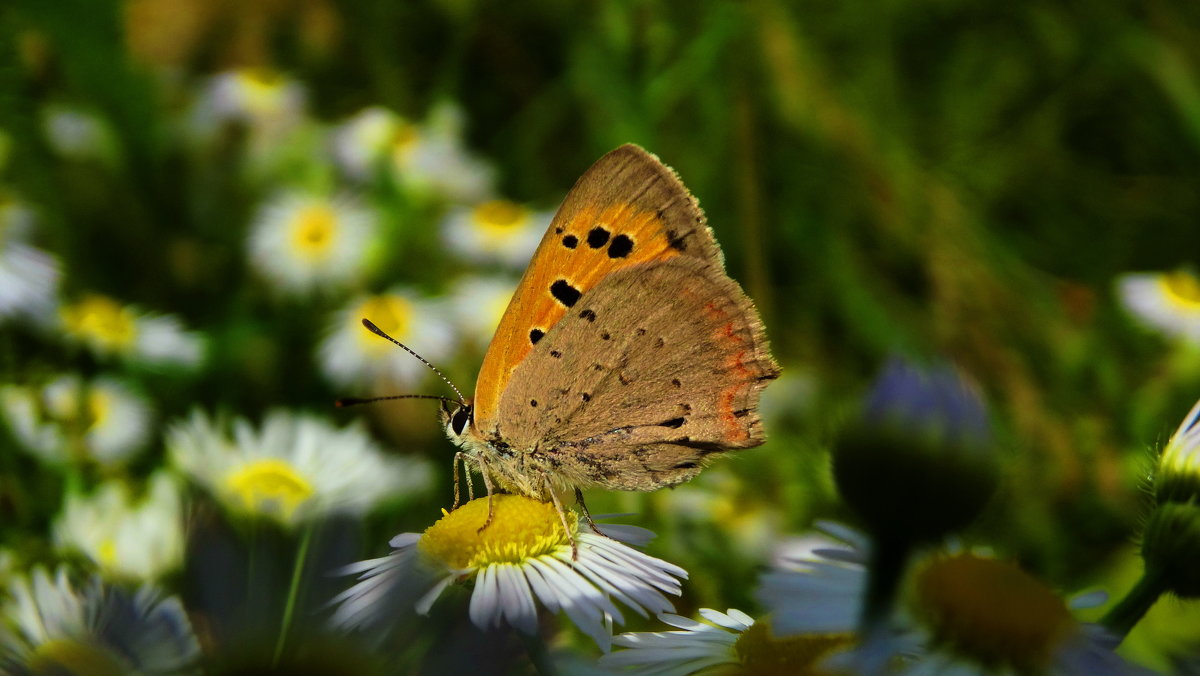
355, 401
379, 332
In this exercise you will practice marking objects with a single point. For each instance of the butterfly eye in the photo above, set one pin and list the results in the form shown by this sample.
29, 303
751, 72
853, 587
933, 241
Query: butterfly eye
458, 422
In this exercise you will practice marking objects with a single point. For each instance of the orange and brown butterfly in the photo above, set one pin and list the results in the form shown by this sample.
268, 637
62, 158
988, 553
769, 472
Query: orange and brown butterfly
627, 358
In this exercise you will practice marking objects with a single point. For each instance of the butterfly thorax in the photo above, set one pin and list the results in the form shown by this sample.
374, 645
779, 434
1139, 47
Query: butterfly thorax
521, 471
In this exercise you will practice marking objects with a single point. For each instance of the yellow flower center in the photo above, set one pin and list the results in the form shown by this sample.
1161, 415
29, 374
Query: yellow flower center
107, 553
499, 219
522, 528
269, 486
63, 406
1182, 288
404, 139
763, 654
992, 612
64, 656
389, 312
261, 88
101, 321
314, 230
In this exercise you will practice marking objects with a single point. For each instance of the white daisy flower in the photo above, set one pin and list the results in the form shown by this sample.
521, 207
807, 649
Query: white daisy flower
361, 142
351, 355
294, 468
1166, 301
969, 613
67, 420
431, 159
79, 135
495, 231
102, 630
523, 558
728, 643
28, 276
108, 328
139, 538
301, 242
269, 104
478, 303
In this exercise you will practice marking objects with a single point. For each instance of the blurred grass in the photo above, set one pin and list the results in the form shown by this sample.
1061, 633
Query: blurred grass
929, 178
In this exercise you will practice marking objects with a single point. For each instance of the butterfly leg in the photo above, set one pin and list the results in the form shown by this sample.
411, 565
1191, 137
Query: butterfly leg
461, 457
587, 516
487, 483
562, 517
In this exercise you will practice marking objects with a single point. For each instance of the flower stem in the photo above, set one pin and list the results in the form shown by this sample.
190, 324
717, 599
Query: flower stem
538, 655
889, 558
293, 589
1129, 610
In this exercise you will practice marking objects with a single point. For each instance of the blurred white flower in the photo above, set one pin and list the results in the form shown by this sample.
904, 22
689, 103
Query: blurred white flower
101, 630
1166, 301
478, 303
28, 276
79, 134
108, 328
431, 159
138, 538
267, 103
67, 419
966, 613
302, 242
496, 231
351, 355
294, 468
521, 559
731, 642
361, 142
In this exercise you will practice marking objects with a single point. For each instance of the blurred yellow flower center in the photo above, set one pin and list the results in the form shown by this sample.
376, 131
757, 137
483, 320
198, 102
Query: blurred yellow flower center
261, 88
101, 321
1182, 288
522, 528
499, 218
404, 139
269, 485
389, 312
314, 230
64, 406
107, 553
64, 656
992, 612
762, 654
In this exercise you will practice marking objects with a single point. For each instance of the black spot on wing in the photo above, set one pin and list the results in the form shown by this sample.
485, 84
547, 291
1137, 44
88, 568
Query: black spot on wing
620, 247
535, 335
556, 354
605, 335
588, 315
564, 293
675, 240
675, 382
597, 237
570, 241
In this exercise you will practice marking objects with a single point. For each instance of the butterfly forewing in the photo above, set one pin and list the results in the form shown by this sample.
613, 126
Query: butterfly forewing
626, 210
654, 369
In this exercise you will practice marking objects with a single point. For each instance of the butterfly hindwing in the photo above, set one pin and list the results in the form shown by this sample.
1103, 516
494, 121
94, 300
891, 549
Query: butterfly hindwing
626, 210
655, 368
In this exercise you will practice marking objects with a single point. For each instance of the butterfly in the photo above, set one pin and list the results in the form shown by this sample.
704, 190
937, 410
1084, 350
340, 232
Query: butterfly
627, 358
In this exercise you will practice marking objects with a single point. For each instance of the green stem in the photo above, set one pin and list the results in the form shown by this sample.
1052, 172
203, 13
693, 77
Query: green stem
1129, 611
293, 589
538, 655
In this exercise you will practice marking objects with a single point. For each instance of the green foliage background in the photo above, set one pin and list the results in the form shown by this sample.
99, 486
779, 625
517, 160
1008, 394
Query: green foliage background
937, 178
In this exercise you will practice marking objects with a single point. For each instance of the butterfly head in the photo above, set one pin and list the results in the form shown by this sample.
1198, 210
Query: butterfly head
457, 417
